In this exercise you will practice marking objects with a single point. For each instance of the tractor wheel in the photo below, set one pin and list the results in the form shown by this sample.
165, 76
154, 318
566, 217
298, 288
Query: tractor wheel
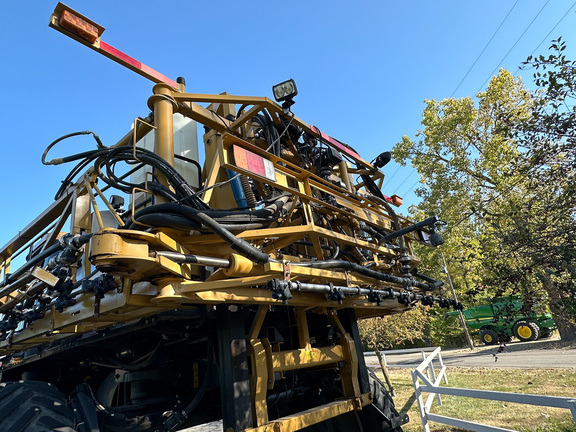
546, 332
34, 406
488, 336
526, 331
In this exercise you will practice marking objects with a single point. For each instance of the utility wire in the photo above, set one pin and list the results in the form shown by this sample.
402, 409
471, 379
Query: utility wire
500, 194
404, 181
549, 33
484, 49
494, 34
515, 43
391, 177
411, 188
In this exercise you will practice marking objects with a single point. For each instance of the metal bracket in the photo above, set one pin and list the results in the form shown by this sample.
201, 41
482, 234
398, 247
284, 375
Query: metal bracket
286, 269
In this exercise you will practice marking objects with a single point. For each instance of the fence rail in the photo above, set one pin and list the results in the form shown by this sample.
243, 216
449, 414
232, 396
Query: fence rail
422, 350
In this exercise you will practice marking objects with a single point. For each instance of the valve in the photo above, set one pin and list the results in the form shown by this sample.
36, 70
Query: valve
280, 290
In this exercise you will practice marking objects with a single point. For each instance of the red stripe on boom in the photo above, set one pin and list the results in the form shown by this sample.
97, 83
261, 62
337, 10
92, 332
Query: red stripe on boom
135, 65
335, 143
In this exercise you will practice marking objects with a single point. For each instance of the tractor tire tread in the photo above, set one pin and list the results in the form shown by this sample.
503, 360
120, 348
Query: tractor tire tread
535, 333
34, 406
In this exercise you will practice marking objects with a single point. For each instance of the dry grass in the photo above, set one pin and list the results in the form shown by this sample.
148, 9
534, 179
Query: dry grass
526, 418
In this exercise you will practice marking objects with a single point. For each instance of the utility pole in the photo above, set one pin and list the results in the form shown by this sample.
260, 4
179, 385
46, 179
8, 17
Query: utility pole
460, 316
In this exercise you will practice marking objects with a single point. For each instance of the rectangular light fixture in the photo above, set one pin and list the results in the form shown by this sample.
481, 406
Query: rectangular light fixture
285, 90
80, 26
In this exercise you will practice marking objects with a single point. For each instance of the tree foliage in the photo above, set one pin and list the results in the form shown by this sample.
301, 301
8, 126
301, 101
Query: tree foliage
549, 166
418, 327
501, 174
393, 331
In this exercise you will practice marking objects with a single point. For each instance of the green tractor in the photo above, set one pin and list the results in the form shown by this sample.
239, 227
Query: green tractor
504, 318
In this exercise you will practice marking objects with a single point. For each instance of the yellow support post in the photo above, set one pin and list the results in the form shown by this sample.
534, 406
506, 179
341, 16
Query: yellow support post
163, 105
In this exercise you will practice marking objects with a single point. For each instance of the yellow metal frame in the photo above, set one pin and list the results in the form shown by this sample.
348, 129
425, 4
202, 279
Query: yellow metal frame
267, 361
132, 256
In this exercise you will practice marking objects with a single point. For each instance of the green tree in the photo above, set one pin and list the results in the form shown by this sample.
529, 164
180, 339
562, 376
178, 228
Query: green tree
465, 155
509, 230
394, 331
548, 141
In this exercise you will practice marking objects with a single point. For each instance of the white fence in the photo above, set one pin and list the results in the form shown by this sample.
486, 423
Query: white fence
404, 351
426, 380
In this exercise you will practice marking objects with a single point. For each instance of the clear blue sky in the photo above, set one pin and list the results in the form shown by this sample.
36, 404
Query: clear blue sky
363, 69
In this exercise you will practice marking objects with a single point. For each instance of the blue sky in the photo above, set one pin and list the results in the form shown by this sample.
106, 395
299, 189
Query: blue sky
363, 70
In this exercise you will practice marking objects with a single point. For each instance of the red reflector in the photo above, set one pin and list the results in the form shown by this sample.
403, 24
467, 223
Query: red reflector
253, 163
396, 200
78, 26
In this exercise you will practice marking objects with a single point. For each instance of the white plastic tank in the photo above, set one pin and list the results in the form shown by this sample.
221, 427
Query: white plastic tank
185, 144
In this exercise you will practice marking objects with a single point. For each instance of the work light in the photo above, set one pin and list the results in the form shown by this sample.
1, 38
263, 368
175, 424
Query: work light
285, 90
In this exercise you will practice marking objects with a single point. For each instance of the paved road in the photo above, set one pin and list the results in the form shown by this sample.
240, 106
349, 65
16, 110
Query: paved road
540, 354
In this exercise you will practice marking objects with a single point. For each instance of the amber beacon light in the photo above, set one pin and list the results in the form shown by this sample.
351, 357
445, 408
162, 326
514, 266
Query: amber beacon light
75, 25
66, 18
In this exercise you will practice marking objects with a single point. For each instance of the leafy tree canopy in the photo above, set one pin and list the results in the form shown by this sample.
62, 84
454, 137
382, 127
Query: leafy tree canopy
501, 173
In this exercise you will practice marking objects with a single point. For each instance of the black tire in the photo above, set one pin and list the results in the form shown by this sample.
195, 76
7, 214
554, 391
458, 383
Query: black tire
546, 332
488, 336
34, 406
526, 331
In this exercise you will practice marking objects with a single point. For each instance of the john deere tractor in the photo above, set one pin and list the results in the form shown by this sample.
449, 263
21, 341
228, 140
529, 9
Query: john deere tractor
505, 318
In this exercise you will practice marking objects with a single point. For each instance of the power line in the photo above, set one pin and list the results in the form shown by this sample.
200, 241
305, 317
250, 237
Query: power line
392, 176
532, 53
515, 43
486, 46
404, 181
411, 188
550, 32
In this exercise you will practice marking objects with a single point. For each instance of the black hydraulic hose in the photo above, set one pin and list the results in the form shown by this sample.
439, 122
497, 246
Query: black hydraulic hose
347, 265
242, 227
399, 233
73, 173
58, 161
196, 164
231, 217
168, 220
433, 282
273, 133
183, 223
238, 244
89, 154
378, 234
266, 212
392, 213
56, 247
174, 178
107, 158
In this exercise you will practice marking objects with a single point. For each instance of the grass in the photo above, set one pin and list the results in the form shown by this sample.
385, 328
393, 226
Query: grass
525, 418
